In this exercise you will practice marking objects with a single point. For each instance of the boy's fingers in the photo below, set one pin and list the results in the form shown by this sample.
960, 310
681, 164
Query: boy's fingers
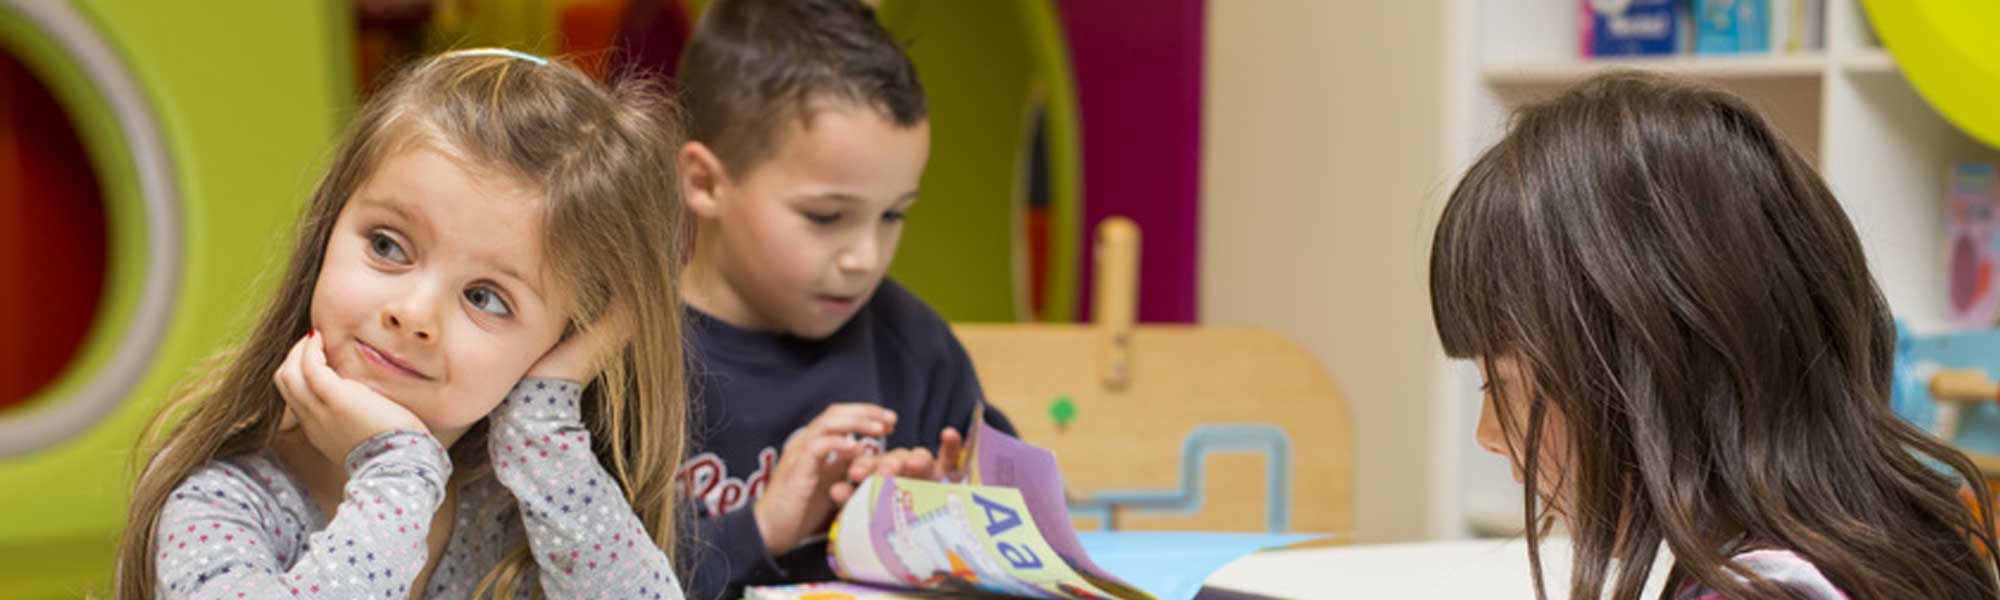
840, 492
950, 446
855, 418
859, 413
848, 425
825, 451
893, 464
893, 468
915, 462
862, 466
919, 463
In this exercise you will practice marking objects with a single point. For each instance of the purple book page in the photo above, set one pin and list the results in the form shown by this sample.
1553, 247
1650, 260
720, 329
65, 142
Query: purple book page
1002, 460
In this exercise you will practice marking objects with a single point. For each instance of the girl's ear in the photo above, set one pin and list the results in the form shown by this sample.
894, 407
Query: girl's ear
702, 179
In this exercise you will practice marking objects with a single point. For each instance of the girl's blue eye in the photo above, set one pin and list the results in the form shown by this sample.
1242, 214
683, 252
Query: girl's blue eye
894, 216
488, 301
386, 248
823, 218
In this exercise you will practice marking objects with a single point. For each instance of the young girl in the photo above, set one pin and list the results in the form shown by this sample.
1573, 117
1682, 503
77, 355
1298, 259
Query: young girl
490, 218
1682, 344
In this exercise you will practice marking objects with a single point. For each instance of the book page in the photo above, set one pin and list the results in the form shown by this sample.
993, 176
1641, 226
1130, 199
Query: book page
998, 459
950, 537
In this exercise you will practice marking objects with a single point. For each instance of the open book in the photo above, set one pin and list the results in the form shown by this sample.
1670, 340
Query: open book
1004, 531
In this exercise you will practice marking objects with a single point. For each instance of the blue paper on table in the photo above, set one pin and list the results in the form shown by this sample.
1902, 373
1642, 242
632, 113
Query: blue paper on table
1172, 565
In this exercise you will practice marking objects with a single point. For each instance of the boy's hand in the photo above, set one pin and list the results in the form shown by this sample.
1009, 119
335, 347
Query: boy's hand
795, 501
582, 355
336, 413
905, 462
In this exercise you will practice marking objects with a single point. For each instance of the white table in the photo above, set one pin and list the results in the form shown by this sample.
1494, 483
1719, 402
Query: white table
1453, 569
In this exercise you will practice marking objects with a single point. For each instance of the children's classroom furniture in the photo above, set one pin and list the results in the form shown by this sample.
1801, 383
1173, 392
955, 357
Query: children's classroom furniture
1957, 391
1486, 569
1173, 426
1944, 384
201, 129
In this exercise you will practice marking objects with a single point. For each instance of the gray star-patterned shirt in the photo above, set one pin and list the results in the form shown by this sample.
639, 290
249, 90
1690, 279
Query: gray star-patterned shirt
245, 527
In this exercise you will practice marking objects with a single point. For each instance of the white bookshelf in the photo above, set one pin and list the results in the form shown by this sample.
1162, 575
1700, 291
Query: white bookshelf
1880, 147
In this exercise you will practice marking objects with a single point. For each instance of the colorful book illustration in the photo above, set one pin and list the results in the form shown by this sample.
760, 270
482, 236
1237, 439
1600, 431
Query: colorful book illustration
1973, 234
1732, 26
1798, 25
1629, 27
833, 590
1005, 531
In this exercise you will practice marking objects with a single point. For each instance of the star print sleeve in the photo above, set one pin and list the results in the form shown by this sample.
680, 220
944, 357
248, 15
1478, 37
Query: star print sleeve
584, 536
228, 532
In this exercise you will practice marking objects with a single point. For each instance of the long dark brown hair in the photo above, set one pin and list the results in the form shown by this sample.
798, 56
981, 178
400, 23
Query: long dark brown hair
603, 158
1690, 302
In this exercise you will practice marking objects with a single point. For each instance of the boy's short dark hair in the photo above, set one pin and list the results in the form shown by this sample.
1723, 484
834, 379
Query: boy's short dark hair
752, 66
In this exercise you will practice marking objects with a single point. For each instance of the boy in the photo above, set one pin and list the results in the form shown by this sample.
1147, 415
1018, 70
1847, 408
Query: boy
809, 370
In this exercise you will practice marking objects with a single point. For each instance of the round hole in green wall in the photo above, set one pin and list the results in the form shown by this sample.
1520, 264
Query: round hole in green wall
52, 236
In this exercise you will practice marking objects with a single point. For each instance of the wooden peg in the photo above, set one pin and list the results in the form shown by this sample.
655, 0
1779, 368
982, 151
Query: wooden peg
1117, 297
1964, 386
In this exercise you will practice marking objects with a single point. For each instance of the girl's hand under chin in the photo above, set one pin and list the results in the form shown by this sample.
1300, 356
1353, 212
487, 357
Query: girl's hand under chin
335, 413
582, 355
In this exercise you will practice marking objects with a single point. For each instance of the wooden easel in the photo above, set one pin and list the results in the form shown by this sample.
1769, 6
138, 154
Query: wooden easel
1144, 395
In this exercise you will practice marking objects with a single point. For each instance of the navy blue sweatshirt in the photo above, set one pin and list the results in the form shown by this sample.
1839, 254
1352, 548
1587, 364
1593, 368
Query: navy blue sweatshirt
750, 390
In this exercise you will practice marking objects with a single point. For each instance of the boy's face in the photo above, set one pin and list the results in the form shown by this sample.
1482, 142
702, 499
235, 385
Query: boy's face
798, 242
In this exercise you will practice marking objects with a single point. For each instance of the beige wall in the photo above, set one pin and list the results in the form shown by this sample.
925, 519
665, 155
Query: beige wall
1322, 169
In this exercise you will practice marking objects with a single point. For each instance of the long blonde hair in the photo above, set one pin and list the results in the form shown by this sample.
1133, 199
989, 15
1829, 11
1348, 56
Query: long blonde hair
604, 159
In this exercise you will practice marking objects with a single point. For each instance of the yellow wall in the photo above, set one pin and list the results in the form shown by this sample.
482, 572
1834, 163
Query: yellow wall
1322, 173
